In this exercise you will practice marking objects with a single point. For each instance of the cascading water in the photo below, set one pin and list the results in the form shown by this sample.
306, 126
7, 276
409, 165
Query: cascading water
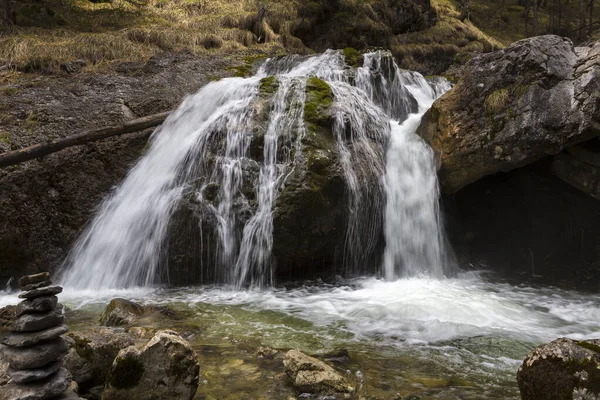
202, 154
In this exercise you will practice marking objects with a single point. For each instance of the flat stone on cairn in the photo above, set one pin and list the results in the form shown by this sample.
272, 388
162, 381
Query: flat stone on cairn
34, 348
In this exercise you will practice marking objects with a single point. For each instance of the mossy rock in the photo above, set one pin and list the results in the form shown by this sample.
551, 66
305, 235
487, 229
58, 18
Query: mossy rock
268, 86
353, 57
126, 371
319, 99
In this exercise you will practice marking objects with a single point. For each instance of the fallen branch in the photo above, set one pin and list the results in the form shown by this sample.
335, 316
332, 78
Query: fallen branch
43, 149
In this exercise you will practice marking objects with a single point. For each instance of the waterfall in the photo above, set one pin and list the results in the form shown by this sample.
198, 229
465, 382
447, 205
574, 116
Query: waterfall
203, 154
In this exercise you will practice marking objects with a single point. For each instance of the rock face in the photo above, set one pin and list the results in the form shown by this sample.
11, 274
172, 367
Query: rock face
34, 348
121, 312
562, 370
165, 369
311, 375
579, 166
513, 107
92, 353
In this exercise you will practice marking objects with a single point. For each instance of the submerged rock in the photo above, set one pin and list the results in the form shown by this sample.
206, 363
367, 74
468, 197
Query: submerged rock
164, 369
562, 370
514, 106
314, 376
121, 312
92, 353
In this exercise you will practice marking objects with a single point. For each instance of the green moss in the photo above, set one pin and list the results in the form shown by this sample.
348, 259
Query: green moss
353, 57
497, 101
4, 137
319, 99
268, 86
520, 90
81, 347
589, 346
246, 69
127, 372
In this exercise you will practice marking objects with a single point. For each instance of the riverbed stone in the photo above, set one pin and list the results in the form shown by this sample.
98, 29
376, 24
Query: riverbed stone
45, 291
38, 305
8, 314
564, 369
92, 353
46, 389
121, 312
165, 368
312, 375
35, 357
31, 375
28, 339
32, 279
38, 322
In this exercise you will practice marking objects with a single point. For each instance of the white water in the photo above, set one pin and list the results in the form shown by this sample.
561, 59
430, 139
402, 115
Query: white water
205, 144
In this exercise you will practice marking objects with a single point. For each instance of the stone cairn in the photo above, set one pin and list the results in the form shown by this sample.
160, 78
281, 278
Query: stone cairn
34, 347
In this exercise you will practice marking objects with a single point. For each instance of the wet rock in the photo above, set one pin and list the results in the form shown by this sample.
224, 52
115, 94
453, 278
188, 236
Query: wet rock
314, 376
564, 369
38, 322
46, 291
35, 357
513, 107
31, 375
46, 389
165, 368
92, 353
121, 312
29, 339
4, 377
38, 285
32, 279
8, 315
38, 305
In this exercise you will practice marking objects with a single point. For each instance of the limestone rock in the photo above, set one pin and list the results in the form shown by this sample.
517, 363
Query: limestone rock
31, 375
49, 388
38, 322
35, 357
31, 338
37, 305
121, 312
314, 376
166, 368
564, 369
45, 291
32, 279
514, 106
92, 353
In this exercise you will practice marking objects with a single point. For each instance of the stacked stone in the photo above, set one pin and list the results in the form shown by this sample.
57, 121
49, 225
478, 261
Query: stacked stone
34, 347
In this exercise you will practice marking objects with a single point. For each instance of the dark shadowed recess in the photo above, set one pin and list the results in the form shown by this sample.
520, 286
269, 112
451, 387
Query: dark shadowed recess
528, 226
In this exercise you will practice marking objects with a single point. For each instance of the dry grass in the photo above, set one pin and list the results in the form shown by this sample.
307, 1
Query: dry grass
101, 33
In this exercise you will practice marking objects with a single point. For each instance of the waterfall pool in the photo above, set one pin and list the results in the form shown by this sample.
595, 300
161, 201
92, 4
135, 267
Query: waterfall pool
459, 338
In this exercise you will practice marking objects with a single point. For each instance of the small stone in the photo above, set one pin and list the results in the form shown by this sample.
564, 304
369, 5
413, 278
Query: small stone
30, 279
32, 375
32, 338
35, 357
52, 387
121, 312
8, 315
314, 376
37, 306
36, 285
38, 322
46, 291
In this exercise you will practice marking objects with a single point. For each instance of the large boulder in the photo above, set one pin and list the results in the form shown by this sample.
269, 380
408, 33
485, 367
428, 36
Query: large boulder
164, 369
513, 107
310, 375
92, 353
562, 370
